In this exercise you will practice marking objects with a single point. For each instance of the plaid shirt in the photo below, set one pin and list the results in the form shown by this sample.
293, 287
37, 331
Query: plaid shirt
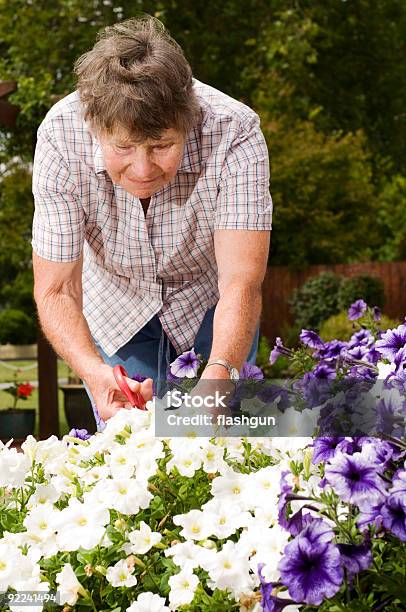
136, 265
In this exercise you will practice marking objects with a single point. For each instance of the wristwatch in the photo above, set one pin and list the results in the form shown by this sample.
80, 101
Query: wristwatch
234, 374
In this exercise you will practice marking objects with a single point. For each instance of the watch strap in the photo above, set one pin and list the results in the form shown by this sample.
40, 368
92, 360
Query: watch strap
233, 372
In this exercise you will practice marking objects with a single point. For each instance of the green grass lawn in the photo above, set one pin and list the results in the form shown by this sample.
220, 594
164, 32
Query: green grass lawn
7, 375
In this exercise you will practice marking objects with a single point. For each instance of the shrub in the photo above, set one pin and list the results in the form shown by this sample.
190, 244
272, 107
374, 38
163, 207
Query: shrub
325, 295
316, 300
368, 288
338, 326
16, 327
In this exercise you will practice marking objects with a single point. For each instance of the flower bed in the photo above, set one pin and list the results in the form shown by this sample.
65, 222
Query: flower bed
123, 520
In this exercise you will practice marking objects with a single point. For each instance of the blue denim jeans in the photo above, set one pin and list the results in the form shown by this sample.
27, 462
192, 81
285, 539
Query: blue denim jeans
150, 352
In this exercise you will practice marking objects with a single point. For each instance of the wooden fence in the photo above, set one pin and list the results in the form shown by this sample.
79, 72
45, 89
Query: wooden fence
281, 281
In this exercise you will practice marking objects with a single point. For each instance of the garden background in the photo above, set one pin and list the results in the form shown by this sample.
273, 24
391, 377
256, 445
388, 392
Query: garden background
327, 80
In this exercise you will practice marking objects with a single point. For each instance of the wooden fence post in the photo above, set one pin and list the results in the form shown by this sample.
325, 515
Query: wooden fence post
47, 388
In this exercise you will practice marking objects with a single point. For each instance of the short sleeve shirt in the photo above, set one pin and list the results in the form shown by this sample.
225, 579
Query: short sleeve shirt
137, 265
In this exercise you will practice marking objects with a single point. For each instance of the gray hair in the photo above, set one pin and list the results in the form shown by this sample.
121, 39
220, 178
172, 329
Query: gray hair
137, 78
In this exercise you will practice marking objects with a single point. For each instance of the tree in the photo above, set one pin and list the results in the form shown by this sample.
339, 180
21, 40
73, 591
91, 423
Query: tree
321, 181
392, 220
360, 73
340, 64
40, 41
17, 308
325, 206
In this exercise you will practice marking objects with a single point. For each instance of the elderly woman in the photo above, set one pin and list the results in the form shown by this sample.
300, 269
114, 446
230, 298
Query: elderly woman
152, 217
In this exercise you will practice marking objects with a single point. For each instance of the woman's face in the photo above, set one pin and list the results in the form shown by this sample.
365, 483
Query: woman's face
143, 168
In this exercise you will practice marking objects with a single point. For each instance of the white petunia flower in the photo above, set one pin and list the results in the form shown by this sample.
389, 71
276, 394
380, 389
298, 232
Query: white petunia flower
13, 467
267, 516
11, 559
43, 451
126, 495
183, 587
44, 493
187, 554
41, 531
121, 461
143, 445
134, 420
195, 523
290, 444
97, 473
225, 519
229, 569
142, 539
7, 553
38, 521
30, 584
120, 575
213, 459
148, 602
186, 462
69, 586
234, 446
234, 488
80, 525
264, 546
266, 485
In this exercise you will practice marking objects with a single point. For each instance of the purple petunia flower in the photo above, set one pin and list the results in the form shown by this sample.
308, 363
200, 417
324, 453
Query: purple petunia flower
296, 523
325, 448
394, 515
186, 365
317, 531
399, 482
311, 339
377, 313
391, 342
251, 372
355, 445
391, 417
354, 558
171, 378
285, 490
315, 391
400, 359
397, 381
269, 602
331, 350
299, 521
372, 356
362, 336
356, 310
356, 352
278, 350
324, 371
370, 513
354, 478
379, 452
81, 434
266, 591
273, 393
311, 570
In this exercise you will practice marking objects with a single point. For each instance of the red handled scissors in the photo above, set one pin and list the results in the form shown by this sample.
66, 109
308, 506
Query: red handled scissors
134, 397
